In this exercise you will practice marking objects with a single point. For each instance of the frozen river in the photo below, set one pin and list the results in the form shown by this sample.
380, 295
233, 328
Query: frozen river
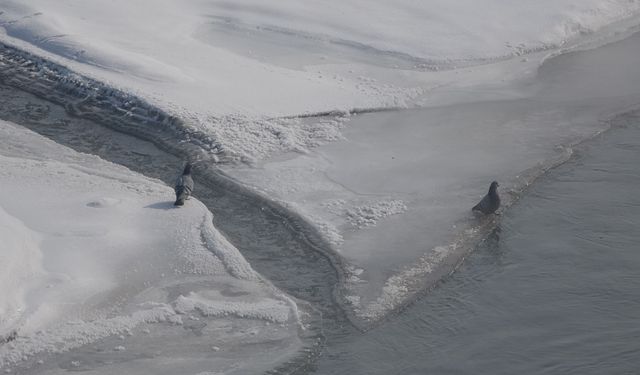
415, 173
553, 288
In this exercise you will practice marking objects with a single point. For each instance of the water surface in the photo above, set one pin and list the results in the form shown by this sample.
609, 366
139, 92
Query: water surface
554, 290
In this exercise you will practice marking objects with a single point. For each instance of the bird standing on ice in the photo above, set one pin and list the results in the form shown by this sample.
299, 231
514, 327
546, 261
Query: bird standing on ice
184, 186
490, 202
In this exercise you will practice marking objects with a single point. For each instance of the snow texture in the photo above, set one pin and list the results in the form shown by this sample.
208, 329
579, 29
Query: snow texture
91, 251
391, 191
219, 306
364, 216
283, 58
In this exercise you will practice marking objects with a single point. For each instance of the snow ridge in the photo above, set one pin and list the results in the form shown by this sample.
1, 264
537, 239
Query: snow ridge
94, 251
91, 99
226, 252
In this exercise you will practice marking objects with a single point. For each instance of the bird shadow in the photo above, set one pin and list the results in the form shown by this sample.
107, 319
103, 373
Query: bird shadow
167, 205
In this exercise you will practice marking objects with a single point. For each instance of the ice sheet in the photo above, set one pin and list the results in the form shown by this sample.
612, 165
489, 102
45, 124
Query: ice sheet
97, 265
413, 175
256, 59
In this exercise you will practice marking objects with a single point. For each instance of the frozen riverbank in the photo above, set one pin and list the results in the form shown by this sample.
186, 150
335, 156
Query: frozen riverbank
218, 62
444, 318
389, 191
553, 289
98, 269
395, 194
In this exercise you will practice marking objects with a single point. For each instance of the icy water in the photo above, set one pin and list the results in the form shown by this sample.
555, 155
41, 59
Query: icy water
554, 290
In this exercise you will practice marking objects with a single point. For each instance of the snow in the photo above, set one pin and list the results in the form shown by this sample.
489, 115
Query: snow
417, 173
21, 260
251, 58
390, 190
92, 252
220, 306
435, 30
364, 216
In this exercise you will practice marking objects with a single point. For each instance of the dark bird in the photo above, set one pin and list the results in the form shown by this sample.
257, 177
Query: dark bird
490, 202
184, 186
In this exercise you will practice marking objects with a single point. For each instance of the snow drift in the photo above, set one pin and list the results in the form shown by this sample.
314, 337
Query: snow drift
288, 57
94, 254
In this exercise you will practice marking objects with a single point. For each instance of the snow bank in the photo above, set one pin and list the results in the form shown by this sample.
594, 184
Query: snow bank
153, 48
435, 30
288, 57
91, 251
20, 261
221, 306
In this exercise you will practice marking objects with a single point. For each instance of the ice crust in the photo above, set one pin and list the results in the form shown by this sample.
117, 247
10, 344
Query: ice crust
390, 191
439, 162
256, 59
91, 252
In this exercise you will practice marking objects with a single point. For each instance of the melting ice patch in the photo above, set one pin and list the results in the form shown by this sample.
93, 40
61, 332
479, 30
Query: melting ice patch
74, 334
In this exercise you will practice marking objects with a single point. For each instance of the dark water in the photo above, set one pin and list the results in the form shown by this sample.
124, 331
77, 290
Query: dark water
554, 290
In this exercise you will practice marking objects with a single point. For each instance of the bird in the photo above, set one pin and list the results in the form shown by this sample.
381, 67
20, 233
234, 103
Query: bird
490, 202
184, 186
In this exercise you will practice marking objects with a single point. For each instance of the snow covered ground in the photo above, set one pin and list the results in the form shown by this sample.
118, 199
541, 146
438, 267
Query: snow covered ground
99, 272
391, 191
256, 58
